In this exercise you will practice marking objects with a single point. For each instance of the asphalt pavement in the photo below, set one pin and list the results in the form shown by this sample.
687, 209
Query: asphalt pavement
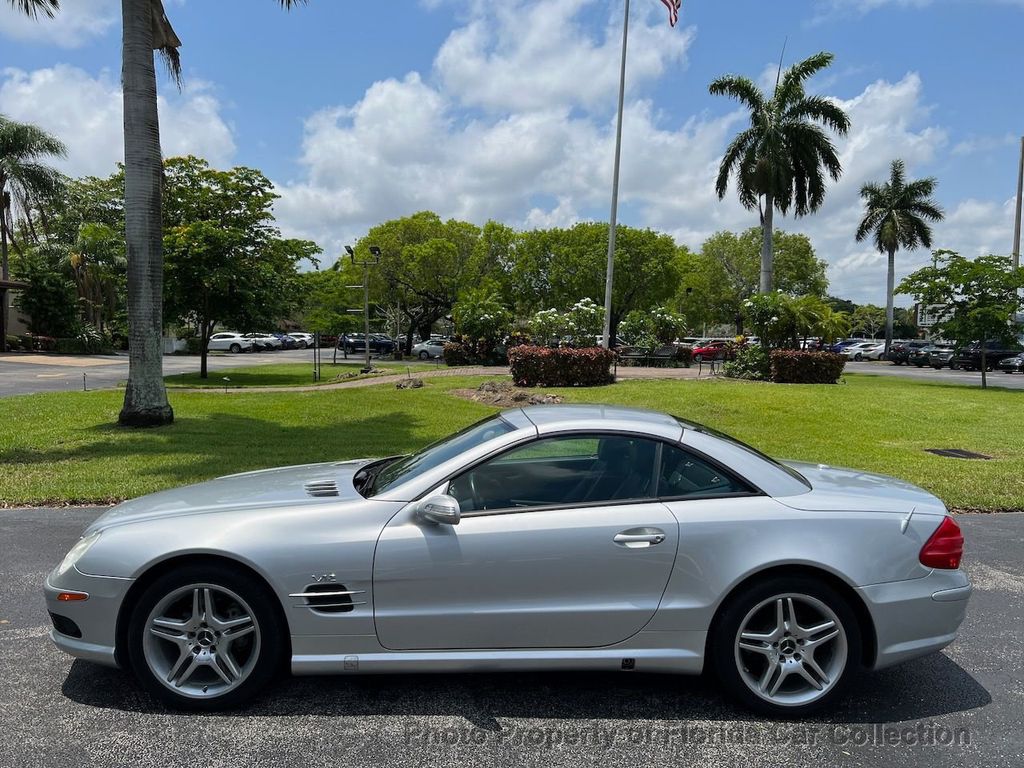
959, 707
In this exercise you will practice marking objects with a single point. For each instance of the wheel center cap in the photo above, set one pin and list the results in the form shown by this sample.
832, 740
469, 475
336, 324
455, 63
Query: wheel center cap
788, 646
205, 638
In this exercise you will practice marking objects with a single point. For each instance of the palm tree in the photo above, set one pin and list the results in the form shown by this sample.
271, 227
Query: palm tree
898, 213
780, 161
24, 180
146, 29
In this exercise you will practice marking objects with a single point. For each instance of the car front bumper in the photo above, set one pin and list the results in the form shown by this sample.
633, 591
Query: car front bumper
86, 629
916, 617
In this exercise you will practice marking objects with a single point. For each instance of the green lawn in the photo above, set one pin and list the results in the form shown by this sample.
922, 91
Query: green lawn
289, 374
63, 447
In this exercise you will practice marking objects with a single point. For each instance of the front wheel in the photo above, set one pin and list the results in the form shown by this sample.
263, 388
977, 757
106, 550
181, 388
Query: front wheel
858, 357
236, 348
205, 637
786, 646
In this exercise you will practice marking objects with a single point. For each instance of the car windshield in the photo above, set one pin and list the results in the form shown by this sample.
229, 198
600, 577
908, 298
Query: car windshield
438, 453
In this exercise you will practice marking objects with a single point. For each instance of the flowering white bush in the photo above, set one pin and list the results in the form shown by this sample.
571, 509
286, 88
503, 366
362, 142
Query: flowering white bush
579, 325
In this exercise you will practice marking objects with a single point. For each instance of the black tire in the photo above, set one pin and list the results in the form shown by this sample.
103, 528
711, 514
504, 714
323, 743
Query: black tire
303, 345
270, 649
236, 348
424, 355
724, 659
698, 358
858, 357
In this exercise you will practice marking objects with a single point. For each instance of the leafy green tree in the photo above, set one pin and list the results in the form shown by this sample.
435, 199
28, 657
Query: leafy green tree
868, 319
225, 260
49, 301
25, 179
325, 297
562, 266
897, 215
981, 297
480, 315
782, 159
425, 263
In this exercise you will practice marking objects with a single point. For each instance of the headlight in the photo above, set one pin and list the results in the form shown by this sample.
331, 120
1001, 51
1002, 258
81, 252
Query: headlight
77, 552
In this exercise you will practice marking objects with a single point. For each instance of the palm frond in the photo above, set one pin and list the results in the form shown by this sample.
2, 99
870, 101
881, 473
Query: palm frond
32, 8
743, 89
737, 148
821, 109
793, 79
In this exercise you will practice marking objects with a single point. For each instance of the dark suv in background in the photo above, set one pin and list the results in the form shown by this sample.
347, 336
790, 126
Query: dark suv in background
900, 351
969, 358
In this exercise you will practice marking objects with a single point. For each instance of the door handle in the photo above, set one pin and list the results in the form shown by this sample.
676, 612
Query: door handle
639, 537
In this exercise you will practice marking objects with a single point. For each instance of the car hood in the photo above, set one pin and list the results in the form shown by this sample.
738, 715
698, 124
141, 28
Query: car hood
284, 486
838, 489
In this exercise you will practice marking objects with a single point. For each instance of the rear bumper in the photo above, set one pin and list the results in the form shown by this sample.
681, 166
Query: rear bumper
916, 617
95, 619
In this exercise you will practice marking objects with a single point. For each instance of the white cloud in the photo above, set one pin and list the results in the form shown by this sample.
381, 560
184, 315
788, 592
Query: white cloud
85, 112
77, 22
525, 56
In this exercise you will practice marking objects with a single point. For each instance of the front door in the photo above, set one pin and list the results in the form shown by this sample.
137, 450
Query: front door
561, 545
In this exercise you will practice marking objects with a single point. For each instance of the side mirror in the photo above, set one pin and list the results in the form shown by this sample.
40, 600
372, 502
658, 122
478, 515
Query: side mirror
441, 509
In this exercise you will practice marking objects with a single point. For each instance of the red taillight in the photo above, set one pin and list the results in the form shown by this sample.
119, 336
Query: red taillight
945, 547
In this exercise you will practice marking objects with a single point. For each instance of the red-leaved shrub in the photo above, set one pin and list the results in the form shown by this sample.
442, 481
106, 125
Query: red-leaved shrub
564, 367
792, 366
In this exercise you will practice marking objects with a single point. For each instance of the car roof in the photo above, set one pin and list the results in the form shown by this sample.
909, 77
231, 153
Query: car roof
572, 417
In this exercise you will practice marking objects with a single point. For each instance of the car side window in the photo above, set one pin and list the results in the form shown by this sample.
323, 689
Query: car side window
683, 474
567, 470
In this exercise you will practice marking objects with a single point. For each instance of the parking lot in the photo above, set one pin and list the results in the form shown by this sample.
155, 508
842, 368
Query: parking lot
57, 711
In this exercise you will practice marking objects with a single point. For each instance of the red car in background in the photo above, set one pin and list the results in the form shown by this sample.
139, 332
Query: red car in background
711, 349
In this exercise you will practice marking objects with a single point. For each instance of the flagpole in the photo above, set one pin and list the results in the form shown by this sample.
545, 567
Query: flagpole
607, 338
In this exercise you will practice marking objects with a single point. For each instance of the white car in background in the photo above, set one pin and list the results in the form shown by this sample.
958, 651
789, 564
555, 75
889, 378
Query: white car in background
304, 339
229, 341
859, 350
432, 348
876, 352
264, 341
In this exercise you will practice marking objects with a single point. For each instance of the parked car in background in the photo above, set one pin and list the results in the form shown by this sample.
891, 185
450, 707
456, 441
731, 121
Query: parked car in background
1013, 364
287, 342
264, 342
229, 341
921, 356
876, 352
303, 340
713, 349
969, 358
839, 346
859, 350
940, 355
900, 351
430, 349
356, 342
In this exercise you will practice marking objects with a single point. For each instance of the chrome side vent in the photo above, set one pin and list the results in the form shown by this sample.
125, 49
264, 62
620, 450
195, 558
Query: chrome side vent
325, 487
328, 598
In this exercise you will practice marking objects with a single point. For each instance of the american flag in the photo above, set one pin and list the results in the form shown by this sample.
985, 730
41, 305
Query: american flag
673, 10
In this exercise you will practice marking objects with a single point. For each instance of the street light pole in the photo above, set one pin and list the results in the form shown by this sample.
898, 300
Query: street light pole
1020, 203
366, 264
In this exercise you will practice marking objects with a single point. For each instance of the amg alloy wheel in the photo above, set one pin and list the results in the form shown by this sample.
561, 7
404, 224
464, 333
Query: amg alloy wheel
786, 647
204, 637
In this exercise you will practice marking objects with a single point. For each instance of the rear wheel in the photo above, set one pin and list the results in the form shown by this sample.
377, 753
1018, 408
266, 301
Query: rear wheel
424, 355
205, 637
786, 646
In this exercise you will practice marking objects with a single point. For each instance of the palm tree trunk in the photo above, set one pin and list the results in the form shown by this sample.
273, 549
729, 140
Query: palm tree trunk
890, 284
145, 397
767, 233
4, 267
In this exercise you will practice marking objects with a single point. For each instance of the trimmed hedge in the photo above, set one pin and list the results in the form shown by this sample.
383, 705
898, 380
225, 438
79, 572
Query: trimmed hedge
565, 367
791, 366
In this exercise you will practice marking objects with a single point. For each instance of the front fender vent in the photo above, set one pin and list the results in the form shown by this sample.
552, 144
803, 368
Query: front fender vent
328, 598
319, 488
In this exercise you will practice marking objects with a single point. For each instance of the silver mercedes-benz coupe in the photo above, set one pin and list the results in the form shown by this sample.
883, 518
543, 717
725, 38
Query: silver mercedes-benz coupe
553, 537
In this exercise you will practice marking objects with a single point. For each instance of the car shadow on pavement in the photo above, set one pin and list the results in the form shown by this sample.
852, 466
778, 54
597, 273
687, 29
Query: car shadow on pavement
924, 688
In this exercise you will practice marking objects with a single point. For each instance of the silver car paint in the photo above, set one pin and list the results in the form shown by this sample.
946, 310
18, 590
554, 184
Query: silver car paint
650, 604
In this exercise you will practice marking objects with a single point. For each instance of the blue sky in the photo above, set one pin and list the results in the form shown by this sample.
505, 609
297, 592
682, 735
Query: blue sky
363, 111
